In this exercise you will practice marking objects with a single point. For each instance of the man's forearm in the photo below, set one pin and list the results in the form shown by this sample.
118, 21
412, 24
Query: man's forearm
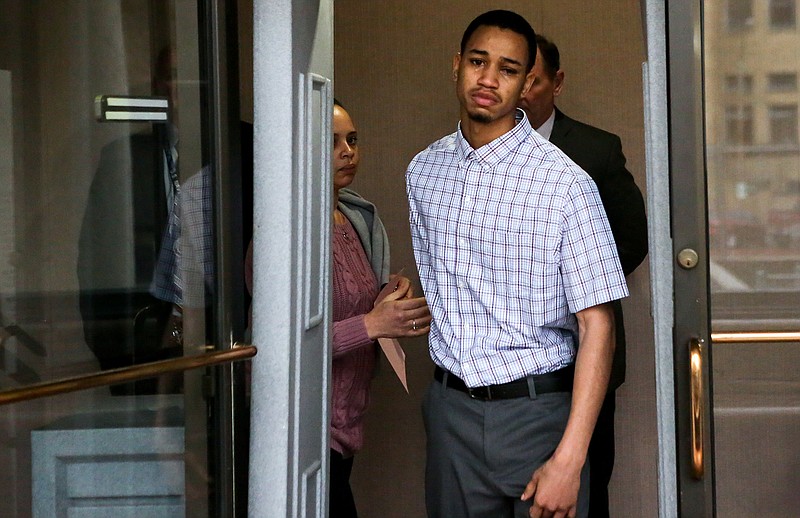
592, 371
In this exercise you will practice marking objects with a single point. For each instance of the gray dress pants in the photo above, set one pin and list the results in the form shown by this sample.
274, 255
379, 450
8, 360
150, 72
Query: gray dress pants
481, 454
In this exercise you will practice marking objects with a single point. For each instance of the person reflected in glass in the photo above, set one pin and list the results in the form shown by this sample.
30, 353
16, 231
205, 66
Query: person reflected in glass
368, 303
127, 209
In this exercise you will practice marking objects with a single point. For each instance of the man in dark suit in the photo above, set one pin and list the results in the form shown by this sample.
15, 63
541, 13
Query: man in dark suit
599, 153
127, 209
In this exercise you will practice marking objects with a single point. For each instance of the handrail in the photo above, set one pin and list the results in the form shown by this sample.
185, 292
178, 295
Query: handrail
125, 374
753, 337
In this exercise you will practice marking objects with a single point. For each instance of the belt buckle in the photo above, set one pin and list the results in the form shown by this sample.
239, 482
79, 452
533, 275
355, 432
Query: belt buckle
481, 393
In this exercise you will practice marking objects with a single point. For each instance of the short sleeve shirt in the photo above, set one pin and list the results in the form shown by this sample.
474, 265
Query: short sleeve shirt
511, 240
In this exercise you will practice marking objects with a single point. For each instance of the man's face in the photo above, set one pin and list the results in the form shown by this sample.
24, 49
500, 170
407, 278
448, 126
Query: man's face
540, 100
491, 74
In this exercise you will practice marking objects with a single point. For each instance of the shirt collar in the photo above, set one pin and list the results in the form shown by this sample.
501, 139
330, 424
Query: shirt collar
496, 150
546, 129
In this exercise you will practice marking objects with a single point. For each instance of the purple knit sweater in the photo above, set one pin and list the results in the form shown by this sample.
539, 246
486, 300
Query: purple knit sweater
354, 356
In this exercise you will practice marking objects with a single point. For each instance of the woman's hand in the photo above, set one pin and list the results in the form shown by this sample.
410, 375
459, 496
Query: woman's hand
397, 282
397, 313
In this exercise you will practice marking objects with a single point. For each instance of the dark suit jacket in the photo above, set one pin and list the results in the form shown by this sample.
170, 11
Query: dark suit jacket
120, 241
599, 153
126, 211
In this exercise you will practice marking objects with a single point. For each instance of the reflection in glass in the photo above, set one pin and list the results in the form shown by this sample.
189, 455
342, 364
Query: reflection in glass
753, 180
98, 269
782, 14
783, 123
739, 13
782, 82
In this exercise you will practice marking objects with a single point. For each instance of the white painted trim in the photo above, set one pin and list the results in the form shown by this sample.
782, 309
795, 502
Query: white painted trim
273, 165
654, 73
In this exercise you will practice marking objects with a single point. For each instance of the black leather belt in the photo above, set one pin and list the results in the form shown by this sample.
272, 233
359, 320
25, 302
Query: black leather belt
556, 381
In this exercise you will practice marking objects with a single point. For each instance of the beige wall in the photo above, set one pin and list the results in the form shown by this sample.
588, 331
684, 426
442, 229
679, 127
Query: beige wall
393, 61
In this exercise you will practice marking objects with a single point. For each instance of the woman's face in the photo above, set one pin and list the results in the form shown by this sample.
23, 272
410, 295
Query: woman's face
345, 149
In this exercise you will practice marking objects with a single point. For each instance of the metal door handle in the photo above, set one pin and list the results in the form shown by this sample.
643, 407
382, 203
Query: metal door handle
755, 337
696, 384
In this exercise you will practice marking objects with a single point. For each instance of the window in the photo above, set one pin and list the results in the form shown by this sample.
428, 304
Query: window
783, 124
782, 14
740, 14
739, 125
792, 188
742, 84
783, 82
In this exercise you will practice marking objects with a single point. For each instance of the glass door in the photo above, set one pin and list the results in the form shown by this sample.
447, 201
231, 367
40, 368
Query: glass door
119, 248
736, 152
752, 61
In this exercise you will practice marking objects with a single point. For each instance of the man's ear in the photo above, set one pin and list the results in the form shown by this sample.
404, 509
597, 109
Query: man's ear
456, 63
558, 82
529, 79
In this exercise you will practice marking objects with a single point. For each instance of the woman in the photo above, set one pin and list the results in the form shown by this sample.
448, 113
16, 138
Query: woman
368, 304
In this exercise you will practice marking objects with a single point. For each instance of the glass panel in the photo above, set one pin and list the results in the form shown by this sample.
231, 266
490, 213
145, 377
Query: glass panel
735, 83
783, 124
782, 14
106, 254
782, 82
739, 125
753, 168
740, 13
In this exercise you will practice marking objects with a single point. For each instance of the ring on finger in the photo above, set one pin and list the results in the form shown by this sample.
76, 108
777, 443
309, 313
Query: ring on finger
413, 325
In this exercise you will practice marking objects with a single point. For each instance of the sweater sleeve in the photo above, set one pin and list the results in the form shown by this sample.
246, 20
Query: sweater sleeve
349, 335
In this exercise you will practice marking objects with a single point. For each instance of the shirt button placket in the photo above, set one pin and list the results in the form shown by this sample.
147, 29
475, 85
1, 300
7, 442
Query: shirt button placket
472, 172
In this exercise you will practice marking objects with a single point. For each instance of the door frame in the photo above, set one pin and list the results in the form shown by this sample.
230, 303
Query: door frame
229, 432
693, 412
293, 101
657, 151
676, 184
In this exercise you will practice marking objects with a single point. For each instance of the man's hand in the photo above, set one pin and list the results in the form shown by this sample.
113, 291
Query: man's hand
554, 489
554, 486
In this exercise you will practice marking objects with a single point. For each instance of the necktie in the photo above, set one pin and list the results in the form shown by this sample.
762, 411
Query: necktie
173, 184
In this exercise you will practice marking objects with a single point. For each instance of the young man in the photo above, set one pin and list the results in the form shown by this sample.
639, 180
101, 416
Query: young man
518, 266
599, 153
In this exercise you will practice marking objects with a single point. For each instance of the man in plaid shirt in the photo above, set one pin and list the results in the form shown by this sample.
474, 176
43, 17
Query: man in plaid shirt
518, 265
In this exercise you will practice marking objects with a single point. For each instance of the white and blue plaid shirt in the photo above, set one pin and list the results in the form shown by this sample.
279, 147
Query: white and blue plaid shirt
511, 240
184, 273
